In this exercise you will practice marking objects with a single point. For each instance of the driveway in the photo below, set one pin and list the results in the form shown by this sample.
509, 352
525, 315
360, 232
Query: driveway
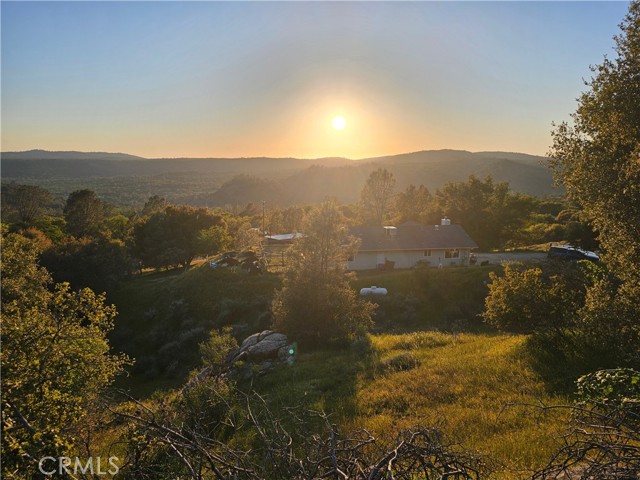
494, 258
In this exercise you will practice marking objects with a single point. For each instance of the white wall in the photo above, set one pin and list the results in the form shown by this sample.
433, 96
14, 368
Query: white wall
406, 259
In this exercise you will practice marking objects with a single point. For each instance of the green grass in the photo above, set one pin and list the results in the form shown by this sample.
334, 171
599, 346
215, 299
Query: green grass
474, 386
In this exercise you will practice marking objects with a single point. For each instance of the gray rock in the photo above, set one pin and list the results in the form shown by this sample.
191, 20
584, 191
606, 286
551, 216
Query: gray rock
283, 353
259, 346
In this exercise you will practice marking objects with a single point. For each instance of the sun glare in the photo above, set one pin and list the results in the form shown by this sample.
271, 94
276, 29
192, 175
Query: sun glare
339, 123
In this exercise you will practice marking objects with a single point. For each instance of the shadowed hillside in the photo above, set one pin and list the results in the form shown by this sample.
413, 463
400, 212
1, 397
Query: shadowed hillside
283, 181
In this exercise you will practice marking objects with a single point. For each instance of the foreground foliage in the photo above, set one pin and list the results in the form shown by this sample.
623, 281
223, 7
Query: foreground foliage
597, 159
194, 447
603, 438
55, 360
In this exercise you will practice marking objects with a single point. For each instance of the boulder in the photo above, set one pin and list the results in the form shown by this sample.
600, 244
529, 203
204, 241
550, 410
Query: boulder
259, 346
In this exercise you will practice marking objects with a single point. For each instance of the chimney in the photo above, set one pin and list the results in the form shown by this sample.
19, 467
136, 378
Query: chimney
391, 231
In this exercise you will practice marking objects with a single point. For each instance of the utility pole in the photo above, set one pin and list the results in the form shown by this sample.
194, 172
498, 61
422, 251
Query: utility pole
263, 231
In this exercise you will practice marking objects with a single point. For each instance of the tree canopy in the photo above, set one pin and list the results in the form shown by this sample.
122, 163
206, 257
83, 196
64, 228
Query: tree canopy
598, 157
55, 359
598, 160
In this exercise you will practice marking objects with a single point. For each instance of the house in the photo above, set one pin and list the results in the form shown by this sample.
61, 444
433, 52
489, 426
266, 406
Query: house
410, 244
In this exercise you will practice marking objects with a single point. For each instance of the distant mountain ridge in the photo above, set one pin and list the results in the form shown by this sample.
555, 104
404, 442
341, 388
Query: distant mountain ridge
70, 155
212, 182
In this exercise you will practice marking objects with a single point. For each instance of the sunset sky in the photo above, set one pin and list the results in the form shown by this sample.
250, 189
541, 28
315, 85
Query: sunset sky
209, 79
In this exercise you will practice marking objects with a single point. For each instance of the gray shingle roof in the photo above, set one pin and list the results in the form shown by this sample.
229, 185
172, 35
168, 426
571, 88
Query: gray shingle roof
413, 236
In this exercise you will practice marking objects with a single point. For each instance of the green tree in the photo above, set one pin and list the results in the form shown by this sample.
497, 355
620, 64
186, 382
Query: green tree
55, 360
416, 203
99, 263
171, 238
84, 213
213, 240
316, 304
596, 159
377, 195
488, 211
215, 350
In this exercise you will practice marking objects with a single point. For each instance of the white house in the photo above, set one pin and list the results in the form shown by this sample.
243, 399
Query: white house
410, 243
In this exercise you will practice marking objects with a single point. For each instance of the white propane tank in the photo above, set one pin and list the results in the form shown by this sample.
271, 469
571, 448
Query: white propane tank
373, 290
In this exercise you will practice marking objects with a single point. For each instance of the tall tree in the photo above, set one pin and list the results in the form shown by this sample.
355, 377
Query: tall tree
317, 304
597, 158
416, 203
99, 263
55, 360
377, 195
25, 202
488, 211
84, 213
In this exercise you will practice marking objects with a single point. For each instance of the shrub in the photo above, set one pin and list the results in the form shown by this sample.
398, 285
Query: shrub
526, 300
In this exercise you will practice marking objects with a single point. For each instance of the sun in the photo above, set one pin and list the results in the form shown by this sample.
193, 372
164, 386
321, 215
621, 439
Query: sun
339, 123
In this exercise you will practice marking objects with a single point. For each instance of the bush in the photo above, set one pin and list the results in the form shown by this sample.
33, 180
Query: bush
526, 300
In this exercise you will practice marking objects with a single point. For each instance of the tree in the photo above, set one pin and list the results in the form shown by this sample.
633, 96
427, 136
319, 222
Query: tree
316, 303
155, 204
170, 238
488, 211
99, 263
28, 202
213, 240
84, 213
55, 360
416, 203
596, 159
245, 237
377, 195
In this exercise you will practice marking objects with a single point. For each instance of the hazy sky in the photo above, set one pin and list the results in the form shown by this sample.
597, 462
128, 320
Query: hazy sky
169, 79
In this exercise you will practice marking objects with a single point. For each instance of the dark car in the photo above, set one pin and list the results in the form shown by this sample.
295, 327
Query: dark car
568, 252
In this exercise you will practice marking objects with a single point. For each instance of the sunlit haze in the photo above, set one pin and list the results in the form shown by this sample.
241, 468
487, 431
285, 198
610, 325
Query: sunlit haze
307, 79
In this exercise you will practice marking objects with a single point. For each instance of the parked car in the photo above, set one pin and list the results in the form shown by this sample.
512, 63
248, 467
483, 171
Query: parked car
569, 252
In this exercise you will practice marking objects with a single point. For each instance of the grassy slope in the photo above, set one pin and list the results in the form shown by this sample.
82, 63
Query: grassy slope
471, 384
474, 386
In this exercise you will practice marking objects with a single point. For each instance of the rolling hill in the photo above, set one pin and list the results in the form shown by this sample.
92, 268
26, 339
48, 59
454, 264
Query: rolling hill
129, 180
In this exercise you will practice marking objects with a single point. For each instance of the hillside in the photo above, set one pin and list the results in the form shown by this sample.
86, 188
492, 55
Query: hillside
473, 385
283, 181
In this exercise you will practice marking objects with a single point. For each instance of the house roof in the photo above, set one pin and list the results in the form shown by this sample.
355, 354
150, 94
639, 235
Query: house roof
413, 236
282, 239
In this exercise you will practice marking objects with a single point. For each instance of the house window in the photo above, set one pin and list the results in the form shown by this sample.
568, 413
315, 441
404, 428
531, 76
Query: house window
453, 253
427, 253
